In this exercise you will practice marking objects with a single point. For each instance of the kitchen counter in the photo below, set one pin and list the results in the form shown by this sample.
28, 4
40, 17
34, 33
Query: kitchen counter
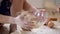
42, 30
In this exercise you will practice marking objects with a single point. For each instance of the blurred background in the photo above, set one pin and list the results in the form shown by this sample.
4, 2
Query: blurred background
52, 6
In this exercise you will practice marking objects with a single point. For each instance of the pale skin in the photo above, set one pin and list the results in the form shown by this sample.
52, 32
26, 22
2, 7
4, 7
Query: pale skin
26, 6
17, 5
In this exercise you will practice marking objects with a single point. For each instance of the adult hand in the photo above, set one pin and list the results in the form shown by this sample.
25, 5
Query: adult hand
24, 24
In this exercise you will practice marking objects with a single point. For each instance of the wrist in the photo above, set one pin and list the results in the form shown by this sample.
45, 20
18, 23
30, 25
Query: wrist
12, 20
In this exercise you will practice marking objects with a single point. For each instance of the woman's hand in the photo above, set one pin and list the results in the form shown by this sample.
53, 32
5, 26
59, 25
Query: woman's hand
24, 24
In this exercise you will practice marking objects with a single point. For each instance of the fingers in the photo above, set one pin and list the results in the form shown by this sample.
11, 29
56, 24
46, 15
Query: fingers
28, 26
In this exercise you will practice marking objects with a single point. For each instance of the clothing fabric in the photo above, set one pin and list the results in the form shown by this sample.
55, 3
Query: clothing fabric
5, 7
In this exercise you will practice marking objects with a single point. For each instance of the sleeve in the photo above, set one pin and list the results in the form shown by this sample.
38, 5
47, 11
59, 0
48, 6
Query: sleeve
5, 8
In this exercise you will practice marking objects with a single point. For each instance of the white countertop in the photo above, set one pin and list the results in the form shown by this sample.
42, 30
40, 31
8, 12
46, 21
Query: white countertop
41, 30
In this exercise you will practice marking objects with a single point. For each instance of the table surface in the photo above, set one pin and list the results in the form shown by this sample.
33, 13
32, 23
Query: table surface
41, 30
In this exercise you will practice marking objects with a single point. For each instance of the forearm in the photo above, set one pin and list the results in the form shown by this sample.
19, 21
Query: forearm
17, 6
6, 19
29, 7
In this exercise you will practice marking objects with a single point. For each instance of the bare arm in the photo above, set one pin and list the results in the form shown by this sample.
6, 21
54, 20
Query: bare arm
29, 7
6, 19
16, 6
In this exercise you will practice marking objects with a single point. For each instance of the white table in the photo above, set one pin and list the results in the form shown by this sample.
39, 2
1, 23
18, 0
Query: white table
41, 30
